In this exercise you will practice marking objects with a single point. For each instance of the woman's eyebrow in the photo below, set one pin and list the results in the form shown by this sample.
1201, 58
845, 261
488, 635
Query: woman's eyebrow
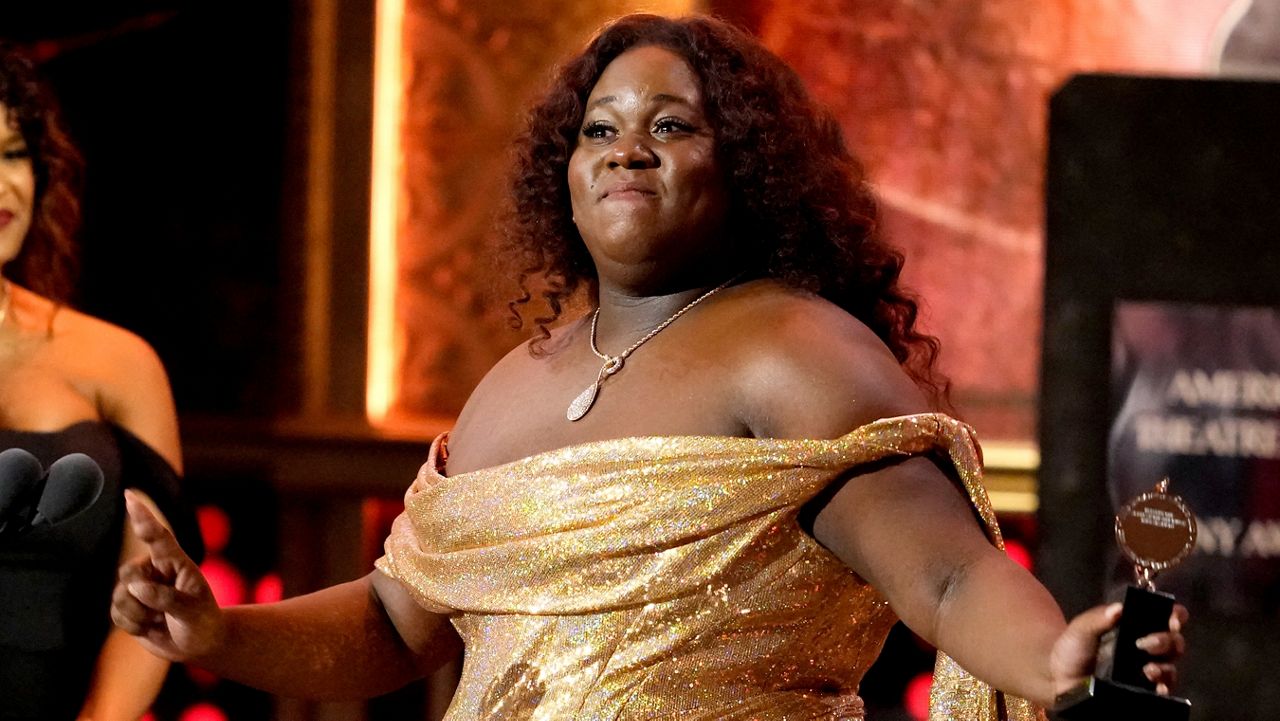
660, 98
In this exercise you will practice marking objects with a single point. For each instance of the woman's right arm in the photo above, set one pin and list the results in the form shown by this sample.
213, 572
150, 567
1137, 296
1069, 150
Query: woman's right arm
351, 641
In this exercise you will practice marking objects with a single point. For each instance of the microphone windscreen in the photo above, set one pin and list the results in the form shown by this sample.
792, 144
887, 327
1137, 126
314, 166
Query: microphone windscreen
19, 474
75, 482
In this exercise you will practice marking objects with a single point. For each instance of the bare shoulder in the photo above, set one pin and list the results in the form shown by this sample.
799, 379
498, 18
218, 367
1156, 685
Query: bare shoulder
124, 375
510, 381
78, 332
807, 368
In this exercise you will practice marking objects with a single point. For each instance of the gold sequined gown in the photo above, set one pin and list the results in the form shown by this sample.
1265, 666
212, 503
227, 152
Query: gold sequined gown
665, 578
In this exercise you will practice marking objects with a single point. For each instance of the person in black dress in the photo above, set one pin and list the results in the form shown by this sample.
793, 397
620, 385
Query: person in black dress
69, 383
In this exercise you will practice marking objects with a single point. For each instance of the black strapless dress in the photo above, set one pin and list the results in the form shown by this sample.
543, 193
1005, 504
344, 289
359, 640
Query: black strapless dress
55, 583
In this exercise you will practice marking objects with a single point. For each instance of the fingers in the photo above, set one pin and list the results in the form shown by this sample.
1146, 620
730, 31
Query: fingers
1165, 676
1163, 644
1073, 654
1168, 645
164, 579
1093, 623
127, 610
130, 614
159, 597
148, 528
1075, 651
1080, 641
1165, 647
167, 557
157, 592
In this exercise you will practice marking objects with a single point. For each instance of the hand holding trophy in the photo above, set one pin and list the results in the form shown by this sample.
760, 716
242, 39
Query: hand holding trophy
1155, 531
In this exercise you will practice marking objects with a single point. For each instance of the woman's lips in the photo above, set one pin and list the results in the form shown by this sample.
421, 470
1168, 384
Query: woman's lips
627, 191
6, 217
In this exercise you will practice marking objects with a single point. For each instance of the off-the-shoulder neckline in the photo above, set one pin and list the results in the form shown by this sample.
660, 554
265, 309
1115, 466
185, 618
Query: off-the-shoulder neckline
70, 427
437, 459
108, 426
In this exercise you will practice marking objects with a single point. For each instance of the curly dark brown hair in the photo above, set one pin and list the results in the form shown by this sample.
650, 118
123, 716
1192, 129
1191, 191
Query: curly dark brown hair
47, 263
799, 200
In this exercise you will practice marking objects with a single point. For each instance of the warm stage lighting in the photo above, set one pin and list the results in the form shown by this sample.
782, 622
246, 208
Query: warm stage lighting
665, 7
203, 712
225, 581
381, 380
386, 332
916, 698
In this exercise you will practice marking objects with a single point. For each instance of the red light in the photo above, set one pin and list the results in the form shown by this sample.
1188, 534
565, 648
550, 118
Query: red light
916, 698
203, 712
224, 580
1018, 553
201, 677
215, 527
269, 589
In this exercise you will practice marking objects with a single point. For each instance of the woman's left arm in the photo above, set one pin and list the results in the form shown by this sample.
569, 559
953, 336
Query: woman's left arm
912, 534
909, 529
134, 394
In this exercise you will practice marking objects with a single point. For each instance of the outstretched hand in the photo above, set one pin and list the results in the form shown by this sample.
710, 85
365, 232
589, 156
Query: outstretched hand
1074, 654
161, 597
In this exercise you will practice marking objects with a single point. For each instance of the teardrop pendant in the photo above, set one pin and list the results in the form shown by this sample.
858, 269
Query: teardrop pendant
580, 405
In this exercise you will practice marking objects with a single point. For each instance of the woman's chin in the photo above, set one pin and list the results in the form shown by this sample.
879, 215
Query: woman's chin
10, 242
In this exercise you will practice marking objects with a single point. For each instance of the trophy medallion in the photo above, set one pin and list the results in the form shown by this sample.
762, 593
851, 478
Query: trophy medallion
1155, 531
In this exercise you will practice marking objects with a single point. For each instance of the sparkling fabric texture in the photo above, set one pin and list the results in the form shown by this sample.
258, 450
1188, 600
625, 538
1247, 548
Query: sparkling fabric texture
666, 578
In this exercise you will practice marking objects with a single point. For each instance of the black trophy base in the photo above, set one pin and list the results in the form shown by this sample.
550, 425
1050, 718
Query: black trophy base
1102, 700
1119, 658
1119, 690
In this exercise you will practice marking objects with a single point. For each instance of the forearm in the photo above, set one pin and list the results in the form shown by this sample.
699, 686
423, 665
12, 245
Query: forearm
333, 644
1000, 624
126, 680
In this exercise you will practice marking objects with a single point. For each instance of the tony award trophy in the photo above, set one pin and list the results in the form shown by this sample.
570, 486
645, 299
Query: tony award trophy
1156, 531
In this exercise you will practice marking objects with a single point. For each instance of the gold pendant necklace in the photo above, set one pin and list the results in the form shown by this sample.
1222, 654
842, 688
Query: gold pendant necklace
612, 364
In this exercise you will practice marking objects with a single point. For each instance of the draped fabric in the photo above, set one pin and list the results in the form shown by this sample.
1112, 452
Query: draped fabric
666, 577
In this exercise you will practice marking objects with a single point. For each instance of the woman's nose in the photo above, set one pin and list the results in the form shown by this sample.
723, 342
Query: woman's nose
632, 153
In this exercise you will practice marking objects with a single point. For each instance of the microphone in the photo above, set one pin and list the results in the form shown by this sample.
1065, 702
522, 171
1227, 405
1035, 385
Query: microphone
31, 498
21, 481
74, 483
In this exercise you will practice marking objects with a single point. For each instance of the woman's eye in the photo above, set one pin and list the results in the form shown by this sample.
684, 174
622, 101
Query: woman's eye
596, 130
17, 154
672, 125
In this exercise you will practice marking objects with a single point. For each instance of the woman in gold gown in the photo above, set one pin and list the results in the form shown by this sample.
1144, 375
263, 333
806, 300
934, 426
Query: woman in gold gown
708, 498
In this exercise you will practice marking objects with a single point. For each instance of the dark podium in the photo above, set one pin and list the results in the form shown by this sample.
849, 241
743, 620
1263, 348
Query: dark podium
1158, 190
